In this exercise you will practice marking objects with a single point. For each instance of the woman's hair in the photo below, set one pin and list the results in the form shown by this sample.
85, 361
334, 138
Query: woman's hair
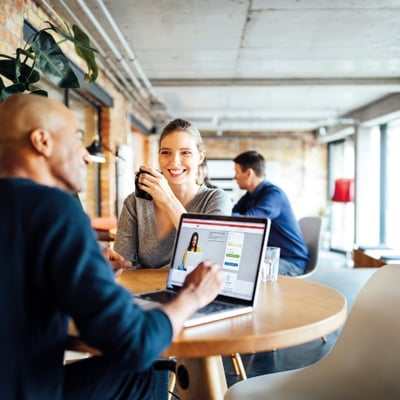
182, 125
194, 234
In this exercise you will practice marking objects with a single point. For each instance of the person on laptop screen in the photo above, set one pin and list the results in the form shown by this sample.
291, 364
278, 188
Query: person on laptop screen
192, 248
53, 269
147, 228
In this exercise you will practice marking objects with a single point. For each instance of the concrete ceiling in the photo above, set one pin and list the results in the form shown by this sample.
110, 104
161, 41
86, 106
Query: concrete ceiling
249, 64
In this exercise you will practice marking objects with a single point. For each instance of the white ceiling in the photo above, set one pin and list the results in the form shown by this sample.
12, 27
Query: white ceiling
250, 64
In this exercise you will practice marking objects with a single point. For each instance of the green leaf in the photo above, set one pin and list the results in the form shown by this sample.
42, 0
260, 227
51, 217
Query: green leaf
7, 69
44, 54
40, 92
6, 56
75, 38
52, 61
12, 89
83, 49
85, 53
16, 72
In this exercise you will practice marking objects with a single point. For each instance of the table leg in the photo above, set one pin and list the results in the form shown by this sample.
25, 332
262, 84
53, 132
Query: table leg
201, 378
238, 366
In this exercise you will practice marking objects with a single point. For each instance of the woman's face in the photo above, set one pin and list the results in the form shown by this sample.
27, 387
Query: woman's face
194, 240
179, 158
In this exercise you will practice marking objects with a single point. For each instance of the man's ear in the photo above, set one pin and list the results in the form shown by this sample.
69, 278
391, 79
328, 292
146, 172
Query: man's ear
42, 141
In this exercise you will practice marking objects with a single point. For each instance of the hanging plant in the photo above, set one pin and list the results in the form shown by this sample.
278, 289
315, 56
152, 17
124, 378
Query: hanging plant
43, 53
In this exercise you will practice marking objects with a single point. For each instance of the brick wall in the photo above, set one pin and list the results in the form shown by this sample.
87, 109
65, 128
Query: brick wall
11, 19
294, 162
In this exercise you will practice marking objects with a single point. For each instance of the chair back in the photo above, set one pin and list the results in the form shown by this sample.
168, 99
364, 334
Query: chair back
311, 230
364, 362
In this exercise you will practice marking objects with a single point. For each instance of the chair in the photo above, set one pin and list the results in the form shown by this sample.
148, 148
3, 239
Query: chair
168, 365
77, 350
363, 363
311, 230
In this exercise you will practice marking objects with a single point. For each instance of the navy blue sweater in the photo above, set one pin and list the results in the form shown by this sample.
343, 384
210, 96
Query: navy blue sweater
270, 201
52, 269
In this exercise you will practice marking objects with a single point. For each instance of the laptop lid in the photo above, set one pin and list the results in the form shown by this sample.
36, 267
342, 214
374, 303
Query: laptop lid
235, 243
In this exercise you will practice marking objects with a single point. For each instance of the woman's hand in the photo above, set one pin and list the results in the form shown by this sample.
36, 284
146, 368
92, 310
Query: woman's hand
154, 183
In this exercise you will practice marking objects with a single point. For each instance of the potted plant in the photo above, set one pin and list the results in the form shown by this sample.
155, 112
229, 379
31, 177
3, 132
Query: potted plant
42, 53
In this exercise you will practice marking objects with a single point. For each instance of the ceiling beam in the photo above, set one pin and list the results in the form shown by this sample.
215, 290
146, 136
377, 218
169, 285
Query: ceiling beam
378, 112
277, 82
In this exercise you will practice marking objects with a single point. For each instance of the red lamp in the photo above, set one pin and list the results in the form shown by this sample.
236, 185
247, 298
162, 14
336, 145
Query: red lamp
344, 191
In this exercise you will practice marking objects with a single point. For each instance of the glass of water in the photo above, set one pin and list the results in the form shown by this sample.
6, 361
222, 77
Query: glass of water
270, 266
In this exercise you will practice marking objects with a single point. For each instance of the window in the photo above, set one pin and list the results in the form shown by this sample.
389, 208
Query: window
391, 209
341, 165
368, 183
378, 187
88, 117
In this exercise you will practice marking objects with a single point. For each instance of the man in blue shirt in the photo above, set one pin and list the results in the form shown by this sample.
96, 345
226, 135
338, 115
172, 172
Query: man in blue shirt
53, 270
264, 199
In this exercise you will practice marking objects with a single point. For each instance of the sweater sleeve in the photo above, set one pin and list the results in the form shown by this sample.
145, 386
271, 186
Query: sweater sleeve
127, 238
81, 283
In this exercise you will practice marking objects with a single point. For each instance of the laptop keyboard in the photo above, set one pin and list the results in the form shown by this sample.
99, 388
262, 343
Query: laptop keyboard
216, 307
163, 297
160, 297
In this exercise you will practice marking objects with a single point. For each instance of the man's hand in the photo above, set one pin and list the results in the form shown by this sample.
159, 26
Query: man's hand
117, 262
201, 286
204, 282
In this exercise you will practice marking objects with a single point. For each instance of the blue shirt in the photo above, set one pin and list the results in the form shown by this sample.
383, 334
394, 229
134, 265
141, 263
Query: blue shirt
52, 270
270, 201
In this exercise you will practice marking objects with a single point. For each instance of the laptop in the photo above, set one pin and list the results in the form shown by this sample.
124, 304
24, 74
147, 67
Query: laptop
236, 243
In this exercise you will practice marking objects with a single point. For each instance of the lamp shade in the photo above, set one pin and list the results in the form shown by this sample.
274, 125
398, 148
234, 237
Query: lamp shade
344, 191
95, 154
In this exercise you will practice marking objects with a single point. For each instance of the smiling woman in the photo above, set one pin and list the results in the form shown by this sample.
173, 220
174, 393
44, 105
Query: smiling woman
146, 229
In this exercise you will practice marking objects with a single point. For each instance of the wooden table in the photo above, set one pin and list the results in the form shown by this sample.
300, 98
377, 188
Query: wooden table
289, 312
375, 258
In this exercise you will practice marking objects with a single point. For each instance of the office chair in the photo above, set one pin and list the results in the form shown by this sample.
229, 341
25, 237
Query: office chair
311, 230
363, 363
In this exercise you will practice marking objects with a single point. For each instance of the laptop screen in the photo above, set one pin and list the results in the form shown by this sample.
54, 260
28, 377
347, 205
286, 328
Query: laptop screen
235, 243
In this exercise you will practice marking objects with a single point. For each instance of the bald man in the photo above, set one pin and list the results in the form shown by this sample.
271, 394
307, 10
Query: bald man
53, 270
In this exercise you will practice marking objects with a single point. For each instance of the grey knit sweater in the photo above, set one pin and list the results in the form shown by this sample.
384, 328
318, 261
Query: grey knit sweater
137, 237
